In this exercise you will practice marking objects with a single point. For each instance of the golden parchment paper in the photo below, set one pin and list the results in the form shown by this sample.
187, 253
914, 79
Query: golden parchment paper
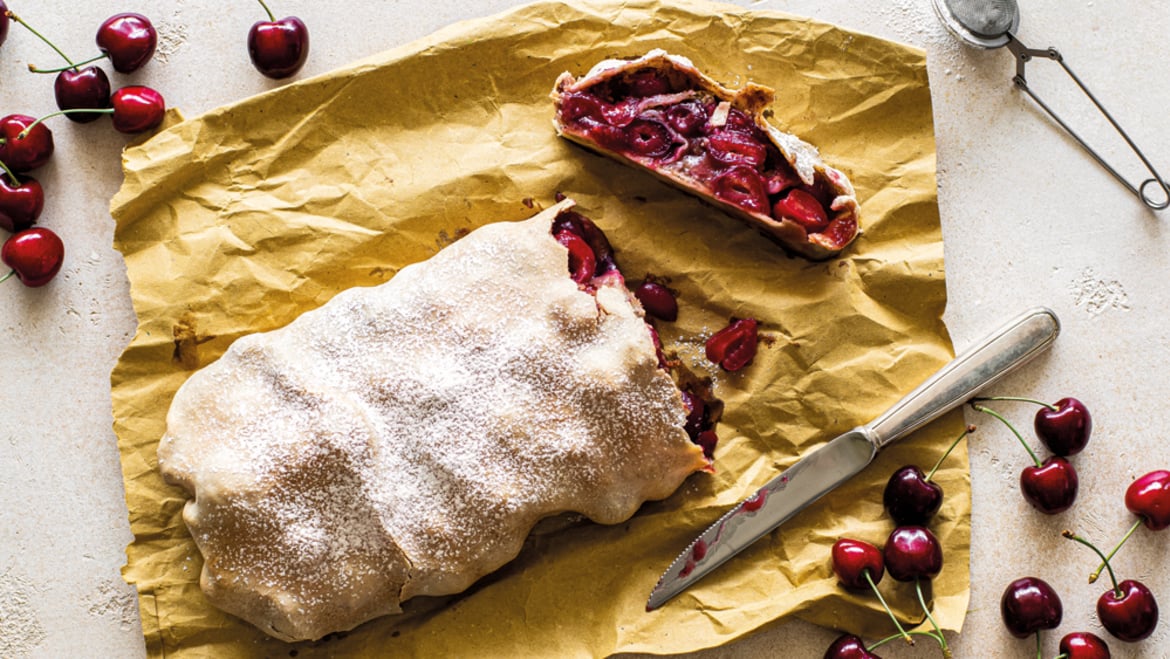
242, 219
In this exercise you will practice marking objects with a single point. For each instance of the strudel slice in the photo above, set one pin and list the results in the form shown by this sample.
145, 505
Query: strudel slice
403, 439
659, 113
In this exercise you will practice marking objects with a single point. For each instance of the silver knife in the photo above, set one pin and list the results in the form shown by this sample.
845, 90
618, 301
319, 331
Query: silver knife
828, 466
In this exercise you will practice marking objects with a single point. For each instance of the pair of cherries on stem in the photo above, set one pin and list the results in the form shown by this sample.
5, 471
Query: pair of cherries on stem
1064, 427
1030, 605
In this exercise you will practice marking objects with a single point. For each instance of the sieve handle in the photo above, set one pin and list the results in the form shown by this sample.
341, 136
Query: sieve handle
1024, 55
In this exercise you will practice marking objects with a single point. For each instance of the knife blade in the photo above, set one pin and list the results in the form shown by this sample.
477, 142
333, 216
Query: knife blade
836, 461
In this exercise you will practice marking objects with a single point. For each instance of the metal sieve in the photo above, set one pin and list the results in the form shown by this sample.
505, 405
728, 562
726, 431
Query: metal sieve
992, 24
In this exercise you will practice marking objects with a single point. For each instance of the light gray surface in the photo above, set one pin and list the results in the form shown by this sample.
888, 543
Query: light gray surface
1027, 219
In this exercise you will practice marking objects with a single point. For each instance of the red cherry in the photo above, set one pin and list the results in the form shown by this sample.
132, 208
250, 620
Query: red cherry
687, 117
735, 147
137, 109
1065, 430
1083, 645
852, 559
35, 256
804, 209
1029, 605
734, 346
128, 40
649, 138
591, 234
910, 498
278, 48
3, 22
707, 440
1149, 498
1052, 487
23, 154
1130, 613
582, 262
912, 552
86, 88
20, 203
576, 106
696, 413
742, 186
648, 82
849, 647
657, 300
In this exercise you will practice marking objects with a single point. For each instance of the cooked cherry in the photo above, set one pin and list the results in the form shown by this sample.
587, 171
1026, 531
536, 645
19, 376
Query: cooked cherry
804, 209
696, 413
737, 120
911, 553
648, 138
853, 559
734, 346
582, 262
577, 106
707, 441
743, 187
735, 148
648, 82
1029, 605
657, 300
687, 117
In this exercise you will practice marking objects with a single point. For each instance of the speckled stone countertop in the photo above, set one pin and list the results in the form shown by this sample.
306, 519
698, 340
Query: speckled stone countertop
1028, 219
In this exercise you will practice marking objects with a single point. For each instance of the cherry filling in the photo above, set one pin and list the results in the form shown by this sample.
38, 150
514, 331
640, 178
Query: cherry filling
659, 120
590, 260
734, 346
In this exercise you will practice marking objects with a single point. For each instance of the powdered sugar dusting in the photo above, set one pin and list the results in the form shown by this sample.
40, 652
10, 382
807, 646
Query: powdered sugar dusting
414, 432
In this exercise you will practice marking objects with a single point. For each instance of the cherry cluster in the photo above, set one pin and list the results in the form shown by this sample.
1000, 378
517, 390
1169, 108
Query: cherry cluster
912, 553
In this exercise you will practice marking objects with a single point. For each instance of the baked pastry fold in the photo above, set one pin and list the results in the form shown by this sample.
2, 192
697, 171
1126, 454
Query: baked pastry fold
403, 439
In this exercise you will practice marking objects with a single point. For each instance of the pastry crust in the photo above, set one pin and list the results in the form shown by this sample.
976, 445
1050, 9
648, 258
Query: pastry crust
403, 439
752, 99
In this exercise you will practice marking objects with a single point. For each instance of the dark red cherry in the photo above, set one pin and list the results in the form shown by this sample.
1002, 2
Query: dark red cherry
648, 82
707, 440
128, 40
582, 262
852, 559
849, 647
687, 117
1052, 487
804, 209
591, 234
23, 154
657, 300
1149, 498
4, 22
743, 187
35, 255
87, 88
1083, 645
734, 147
910, 498
1133, 615
734, 346
278, 48
737, 120
576, 106
696, 413
1029, 605
1065, 430
137, 109
647, 137
912, 552
20, 203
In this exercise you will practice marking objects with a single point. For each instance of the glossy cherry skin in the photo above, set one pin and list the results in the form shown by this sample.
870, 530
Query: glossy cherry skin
852, 559
128, 40
1052, 487
734, 346
1029, 605
912, 552
3, 22
87, 88
137, 109
1131, 617
849, 647
20, 204
279, 48
1084, 645
657, 300
35, 255
910, 498
1065, 430
1149, 498
24, 154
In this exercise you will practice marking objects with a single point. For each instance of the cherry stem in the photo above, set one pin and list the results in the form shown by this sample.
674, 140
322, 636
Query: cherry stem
1093, 577
16, 181
873, 586
1020, 399
267, 10
24, 133
942, 641
5, 277
35, 69
1012, 428
1072, 536
1039, 646
891, 637
41, 37
966, 431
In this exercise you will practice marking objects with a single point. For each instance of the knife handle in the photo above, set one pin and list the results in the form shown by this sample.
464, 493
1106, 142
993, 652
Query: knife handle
1012, 345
